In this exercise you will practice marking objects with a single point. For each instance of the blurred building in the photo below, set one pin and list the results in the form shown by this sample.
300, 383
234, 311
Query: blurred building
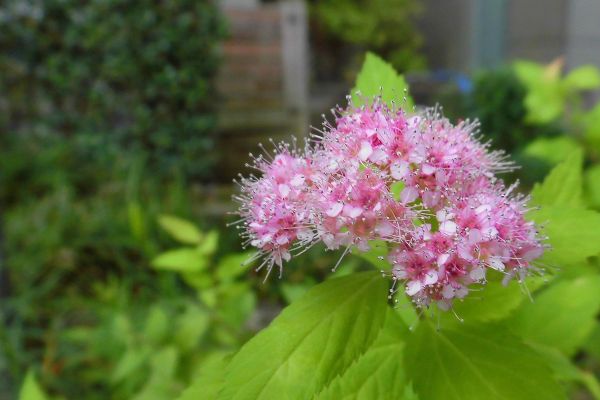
464, 35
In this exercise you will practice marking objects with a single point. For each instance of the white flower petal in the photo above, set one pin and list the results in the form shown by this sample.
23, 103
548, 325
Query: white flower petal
365, 151
335, 209
413, 287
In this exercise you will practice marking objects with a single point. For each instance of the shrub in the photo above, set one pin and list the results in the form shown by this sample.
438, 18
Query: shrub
136, 73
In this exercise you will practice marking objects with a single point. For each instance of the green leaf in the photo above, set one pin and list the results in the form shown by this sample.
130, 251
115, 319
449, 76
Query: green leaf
293, 291
544, 105
209, 244
592, 186
189, 327
376, 256
476, 362
563, 368
495, 301
233, 265
311, 341
180, 229
181, 260
592, 344
562, 316
379, 78
379, 373
236, 303
130, 362
528, 72
564, 184
161, 383
209, 381
574, 234
551, 150
30, 390
585, 77
157, 325
591, 124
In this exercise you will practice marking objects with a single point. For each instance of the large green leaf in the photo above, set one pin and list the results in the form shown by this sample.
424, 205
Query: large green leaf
562, 316
476, 362
311, 341
377, 374
379, 78
574, 234
592, 186
180, 229
564, 184
495, 301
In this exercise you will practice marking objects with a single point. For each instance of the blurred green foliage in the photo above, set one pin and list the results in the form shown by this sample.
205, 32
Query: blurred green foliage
386, 27
137, 74
498, 101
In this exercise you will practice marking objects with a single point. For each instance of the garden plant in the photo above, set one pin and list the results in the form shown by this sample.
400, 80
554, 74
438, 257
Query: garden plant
478, 291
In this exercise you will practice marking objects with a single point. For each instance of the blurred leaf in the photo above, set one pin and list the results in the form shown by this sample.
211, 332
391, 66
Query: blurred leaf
311, 341
476, 362
592, 185
562, 316
574, 234
162, 383
591, 126
545, 98
544, 105
551, 150
30, 390
236, 303
233, 265
379, 78
585, 77
209, 381
199, 280
180, 229
592, 344
181, 260
131, 362
189, 328
293, 291
137, 223
157, 325
377, 373
209, 244
209, 297
564, 184
530, 73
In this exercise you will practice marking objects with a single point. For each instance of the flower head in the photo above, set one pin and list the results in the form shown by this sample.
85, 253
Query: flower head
449, 225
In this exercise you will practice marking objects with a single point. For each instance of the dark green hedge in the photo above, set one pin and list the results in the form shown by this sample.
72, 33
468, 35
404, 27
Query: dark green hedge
136, 74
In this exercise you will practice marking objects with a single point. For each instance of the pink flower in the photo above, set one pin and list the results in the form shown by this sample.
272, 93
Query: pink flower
450, 225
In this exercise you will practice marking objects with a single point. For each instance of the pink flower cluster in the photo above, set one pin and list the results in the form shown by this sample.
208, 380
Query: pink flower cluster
422, 185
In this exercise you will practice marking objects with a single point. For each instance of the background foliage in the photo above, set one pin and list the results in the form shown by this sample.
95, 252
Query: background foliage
107, 293
118, 71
